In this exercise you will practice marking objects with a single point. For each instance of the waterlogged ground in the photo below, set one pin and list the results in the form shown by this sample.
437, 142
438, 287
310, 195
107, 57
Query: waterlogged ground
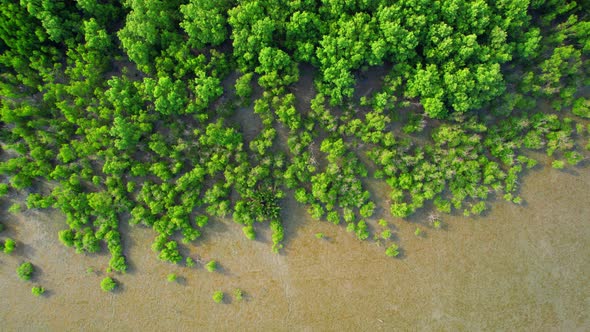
518, 268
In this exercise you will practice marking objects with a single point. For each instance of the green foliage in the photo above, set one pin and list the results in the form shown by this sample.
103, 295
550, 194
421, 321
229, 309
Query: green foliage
319, 235
581, 108
218, 296
277, 235
108, 284
25, 271
9, 246
15, 208
361, 230
211, 266
249, 232
171, 277
148, 130
169, 252
558, 164
238, 294
418, 232
392, 250
478, 208
37, 291
573, 157
243, 85
189, 262
204, 22
3, 189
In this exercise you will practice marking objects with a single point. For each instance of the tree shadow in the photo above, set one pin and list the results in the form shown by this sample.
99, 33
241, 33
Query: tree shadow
48, 293
293, 215
126, 243
120, 288
182, 281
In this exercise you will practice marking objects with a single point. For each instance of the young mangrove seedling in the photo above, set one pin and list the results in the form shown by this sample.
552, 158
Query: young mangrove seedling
211, 266
9, 246
418, 231
238, 294
108, 284
37, 290
25, 271
172, 277
190, 262
218, 296
392, 250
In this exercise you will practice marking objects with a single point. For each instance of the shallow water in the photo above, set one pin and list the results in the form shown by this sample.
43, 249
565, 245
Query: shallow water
518, 268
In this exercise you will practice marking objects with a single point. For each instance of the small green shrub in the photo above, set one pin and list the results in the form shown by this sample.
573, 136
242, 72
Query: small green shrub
249, 232
238, 294
478, 208
3, 189
386, 234
573, 157
190, 262
25, 271
333, 217
319, 235
392, 250
418, 231
558, 164
350, 227
211, 266
172, 277
108, 284
362, 232
15, 208
9, 246
218, 296
37, 290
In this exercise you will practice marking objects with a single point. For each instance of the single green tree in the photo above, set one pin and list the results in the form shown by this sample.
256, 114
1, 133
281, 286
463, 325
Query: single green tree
238, 294
211, 266
108, 284
37, 290
25, 271
172, 277
392, 250
218, 296
9, 246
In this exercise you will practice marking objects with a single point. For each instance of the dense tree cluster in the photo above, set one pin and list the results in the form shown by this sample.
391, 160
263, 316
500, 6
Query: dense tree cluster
126, 111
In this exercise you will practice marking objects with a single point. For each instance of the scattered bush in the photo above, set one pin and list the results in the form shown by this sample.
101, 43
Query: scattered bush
37, 290
558, 164
108, 284
25, 271
218, 296
238, 294
392, 250
418, 231
386, 234
190, 262
9, 246
211, 266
